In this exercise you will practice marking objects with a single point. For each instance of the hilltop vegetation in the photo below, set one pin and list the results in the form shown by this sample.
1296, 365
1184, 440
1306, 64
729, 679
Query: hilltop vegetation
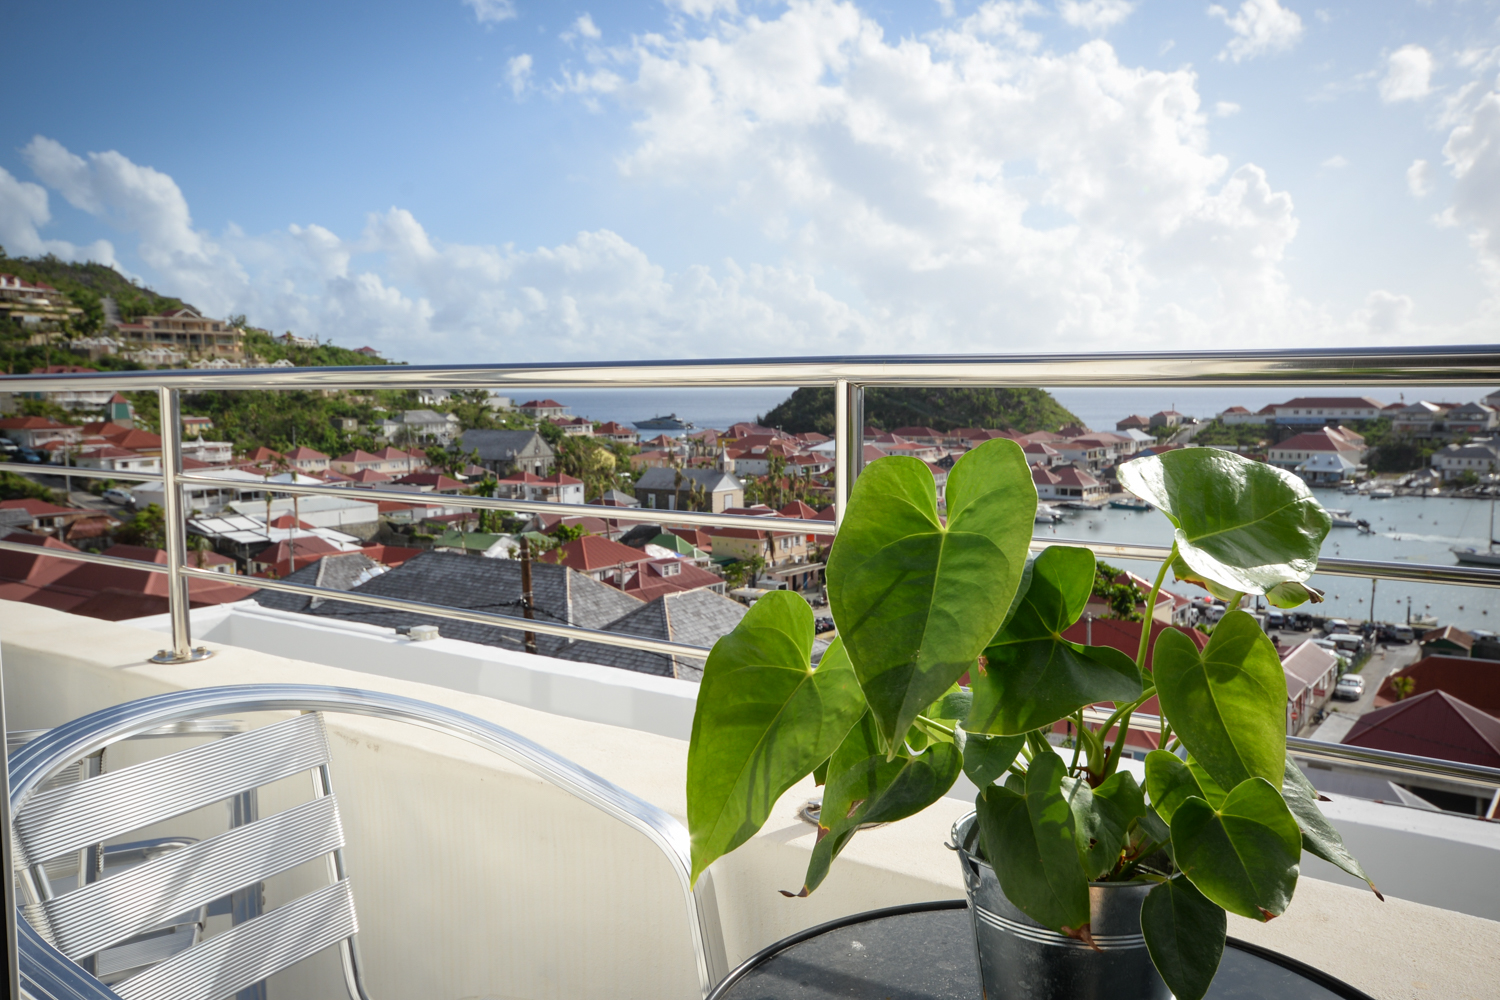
1022, 410
87, 284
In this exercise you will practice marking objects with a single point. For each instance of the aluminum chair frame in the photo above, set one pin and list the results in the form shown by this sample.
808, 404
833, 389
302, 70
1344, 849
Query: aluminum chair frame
47, 973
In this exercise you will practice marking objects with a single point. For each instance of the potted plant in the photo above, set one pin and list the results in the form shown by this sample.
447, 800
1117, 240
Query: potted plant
1077, 875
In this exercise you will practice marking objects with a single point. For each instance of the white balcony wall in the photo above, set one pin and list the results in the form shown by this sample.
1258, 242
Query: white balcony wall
476, 880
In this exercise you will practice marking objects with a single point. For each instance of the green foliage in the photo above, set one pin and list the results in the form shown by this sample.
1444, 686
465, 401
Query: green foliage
147, 528
86, 284
1123, 598
15, 487
765, 719
916, 599
565, 533
1223, 817
276, 420
1216, 432
1023, 410
262, 345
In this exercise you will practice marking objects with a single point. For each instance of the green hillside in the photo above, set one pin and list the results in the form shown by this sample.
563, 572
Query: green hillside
86, 284
1023, 410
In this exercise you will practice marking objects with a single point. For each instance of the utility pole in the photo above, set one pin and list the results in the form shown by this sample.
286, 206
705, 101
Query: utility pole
526, 602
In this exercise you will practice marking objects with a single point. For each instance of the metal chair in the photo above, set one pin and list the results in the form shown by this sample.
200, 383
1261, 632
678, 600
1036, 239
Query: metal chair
52, 822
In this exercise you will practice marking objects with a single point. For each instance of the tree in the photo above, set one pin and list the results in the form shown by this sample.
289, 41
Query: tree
1403, 686
742, 571
148, 529
14, 487
1122, 598
452, 460
565, 533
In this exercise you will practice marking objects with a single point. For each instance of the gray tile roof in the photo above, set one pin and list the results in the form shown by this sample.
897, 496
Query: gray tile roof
492, 585
695, 617
711, 480
502, 446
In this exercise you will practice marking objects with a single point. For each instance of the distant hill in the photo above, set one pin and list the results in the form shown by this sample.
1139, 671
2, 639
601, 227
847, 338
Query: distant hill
86, 284
1023, 410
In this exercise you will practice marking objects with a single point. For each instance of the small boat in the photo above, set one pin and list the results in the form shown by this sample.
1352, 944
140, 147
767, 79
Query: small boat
1348, 488
1471, 556
1130, 503
1364, 527
1382, 494
1076, 505
1047, 515
1424, 621
660, 423
1342, 518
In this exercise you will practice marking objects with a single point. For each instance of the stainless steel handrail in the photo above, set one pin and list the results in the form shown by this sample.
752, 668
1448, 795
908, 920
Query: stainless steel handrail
1450, 365
33, 763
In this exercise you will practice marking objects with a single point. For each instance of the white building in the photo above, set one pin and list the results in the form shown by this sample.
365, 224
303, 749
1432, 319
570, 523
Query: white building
1479, 457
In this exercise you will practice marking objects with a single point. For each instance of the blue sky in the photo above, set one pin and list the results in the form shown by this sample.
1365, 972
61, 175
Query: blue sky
511, 181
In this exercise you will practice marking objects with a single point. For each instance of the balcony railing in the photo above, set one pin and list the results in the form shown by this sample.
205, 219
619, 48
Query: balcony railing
848, 377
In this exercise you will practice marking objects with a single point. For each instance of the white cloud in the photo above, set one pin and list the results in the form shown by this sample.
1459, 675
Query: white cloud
1419, 179
24, 212
1226, 109
492, 11
1260, 28
518, 73
704, 8
1473, 157
1094, 15
584, 27
1408, 75
146, 202
1334, 163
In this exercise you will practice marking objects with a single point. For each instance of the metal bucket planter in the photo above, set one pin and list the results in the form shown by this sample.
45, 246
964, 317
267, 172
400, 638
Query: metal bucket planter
1019, 959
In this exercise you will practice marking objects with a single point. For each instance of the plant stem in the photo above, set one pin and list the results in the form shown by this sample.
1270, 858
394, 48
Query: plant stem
924, 720
1140, 656
1077, 738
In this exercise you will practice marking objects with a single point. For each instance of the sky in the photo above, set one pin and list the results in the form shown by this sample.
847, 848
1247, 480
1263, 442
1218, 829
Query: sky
511, 181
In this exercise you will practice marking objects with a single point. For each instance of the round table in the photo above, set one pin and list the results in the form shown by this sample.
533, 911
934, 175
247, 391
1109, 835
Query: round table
925, 951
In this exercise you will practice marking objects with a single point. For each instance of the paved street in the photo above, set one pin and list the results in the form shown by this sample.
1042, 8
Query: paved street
1386, 661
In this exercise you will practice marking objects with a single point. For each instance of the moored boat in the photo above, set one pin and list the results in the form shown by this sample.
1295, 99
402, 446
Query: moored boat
1382, 494
1342, 518
1129, 503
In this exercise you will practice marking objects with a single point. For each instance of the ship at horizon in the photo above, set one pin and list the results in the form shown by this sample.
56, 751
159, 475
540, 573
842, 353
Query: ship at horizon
660, 423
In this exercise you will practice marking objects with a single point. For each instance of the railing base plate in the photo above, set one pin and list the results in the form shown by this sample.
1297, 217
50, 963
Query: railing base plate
171, 656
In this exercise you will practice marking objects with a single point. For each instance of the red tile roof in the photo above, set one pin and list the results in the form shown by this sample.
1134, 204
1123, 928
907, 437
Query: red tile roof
36, 508
1474, 681
287, 521
1434, 724
303, 453
797, 508
1332, 402
33, 424
534, 403
369, 476
650, 582
354, 457
592, 553
439, 482
263, 454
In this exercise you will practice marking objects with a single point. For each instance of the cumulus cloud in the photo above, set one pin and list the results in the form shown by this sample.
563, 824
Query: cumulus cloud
518, 73
492, 11
24, 212
1095, 15
585, 27
1408, 75
704, 8
1260, 27
1472, 153
1226, 109
1419, 178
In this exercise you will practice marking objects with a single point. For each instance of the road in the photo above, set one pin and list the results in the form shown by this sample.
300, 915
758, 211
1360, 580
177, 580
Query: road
1387, 660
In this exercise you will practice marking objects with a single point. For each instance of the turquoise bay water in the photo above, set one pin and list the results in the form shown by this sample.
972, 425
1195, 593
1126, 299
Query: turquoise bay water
1407, 529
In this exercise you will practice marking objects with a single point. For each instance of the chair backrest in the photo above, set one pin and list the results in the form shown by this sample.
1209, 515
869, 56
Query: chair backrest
97, 915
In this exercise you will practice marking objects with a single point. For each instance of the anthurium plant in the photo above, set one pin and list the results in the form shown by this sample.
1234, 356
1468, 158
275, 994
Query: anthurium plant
922, 601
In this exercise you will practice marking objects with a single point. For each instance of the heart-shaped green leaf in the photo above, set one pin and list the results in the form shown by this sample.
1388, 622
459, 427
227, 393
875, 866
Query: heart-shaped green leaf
1169, 782
1031, 841
764, 720
987, 757
917, 600
1245, 525
1319, 838
1185, 933
864, 787
1031, 675
1244, 854
1227, 703
1101, 818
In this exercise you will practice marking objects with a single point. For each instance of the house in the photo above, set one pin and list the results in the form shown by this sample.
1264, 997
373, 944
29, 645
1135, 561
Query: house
695, 618
559, 595
1432, 724
34, 432
196, 426
1299, 448
675, 489
655, 460
1163, 418
1311, 672
543, 409
598, 558
1086, 451
1044, 455
305, 459
430, 426
669, 575
616, 432
357, 460
185, 330
114, 459
1482, 458
1134, 422
921, 435
284, 557
505, 452
895, 444
36, 305
1420, 419
1474, 681
208, 452
368, 352
38, 516
574, 426
556, 488
1236, 415
1446, 641
431, 482
1472, 419
616, 498
1328, 468
1326, 409
1066, 482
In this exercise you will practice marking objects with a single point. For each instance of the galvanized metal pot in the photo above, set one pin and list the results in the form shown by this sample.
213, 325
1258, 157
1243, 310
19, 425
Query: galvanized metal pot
1019, 959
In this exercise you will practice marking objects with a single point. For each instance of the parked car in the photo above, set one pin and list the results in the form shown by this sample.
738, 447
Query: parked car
1347, 642
1350, 687
116, 495
29, 455
1275, 619
1396, 633
1335, 626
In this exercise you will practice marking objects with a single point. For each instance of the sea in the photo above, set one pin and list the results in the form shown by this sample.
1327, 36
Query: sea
1407, 529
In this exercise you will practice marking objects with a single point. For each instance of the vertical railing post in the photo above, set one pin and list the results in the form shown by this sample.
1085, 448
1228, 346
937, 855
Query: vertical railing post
849, 441
175, 529
8, 897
